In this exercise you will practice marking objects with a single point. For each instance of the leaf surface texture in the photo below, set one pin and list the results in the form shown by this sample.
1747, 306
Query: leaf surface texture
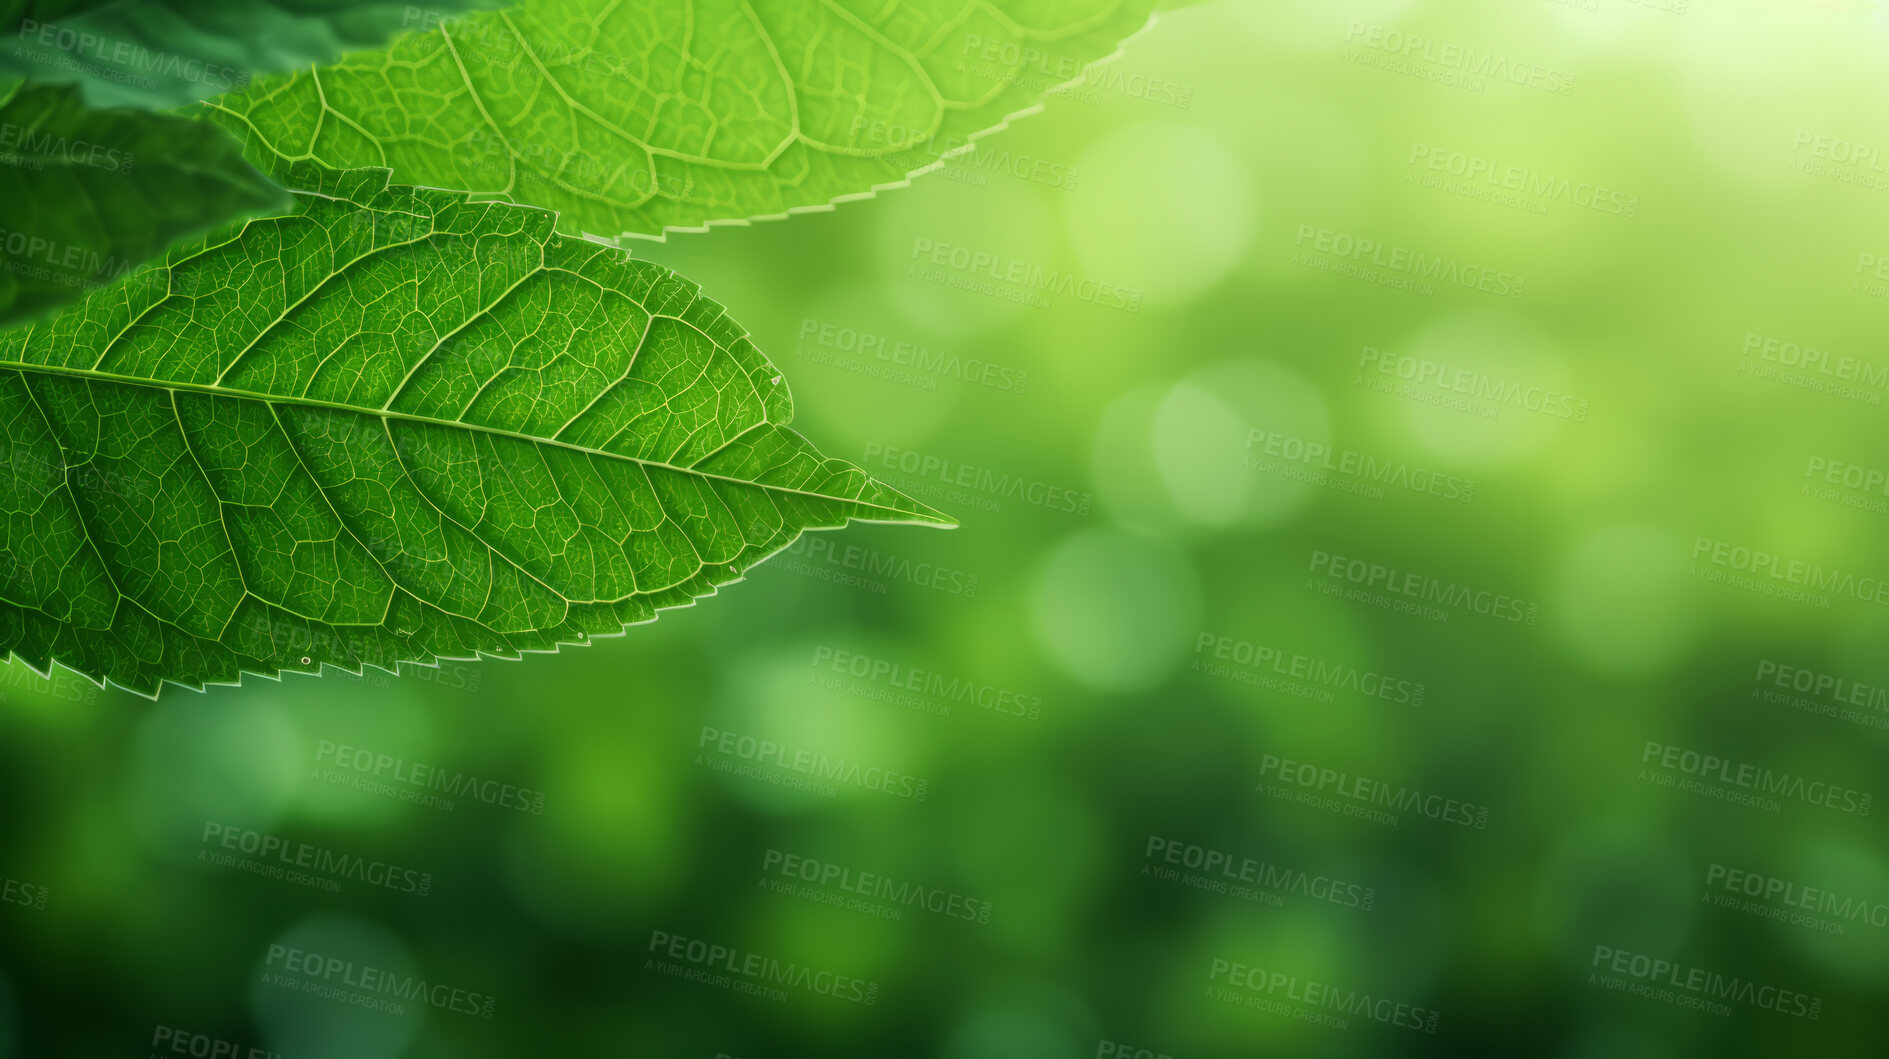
395, 425
632, 117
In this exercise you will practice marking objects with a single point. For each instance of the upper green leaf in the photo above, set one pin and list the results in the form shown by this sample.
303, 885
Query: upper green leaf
634, 117
394, 425
165, 53
87, 195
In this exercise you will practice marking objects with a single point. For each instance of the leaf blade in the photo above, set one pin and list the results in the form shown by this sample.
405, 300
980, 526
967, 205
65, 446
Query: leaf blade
622, 127
396, 425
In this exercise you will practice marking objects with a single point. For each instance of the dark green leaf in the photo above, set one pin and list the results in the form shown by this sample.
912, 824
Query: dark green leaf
87, 195
166, 53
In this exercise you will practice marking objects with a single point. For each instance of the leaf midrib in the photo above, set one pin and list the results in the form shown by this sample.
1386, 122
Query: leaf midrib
453, 424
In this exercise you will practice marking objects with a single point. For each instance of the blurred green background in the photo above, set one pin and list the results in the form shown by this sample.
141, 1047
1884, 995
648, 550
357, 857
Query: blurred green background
1512, 299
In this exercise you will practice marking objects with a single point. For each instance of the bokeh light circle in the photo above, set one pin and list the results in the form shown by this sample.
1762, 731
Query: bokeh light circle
309, 991
235, 759
1620, 601
1224, 440
1114, 610
1162, 208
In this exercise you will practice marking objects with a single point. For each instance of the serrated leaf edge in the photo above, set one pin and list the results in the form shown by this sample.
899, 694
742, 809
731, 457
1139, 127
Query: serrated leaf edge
943, 521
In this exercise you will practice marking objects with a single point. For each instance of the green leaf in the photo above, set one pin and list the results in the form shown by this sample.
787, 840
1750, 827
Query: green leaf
166, 53
636, 117
87, 195
395, 425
